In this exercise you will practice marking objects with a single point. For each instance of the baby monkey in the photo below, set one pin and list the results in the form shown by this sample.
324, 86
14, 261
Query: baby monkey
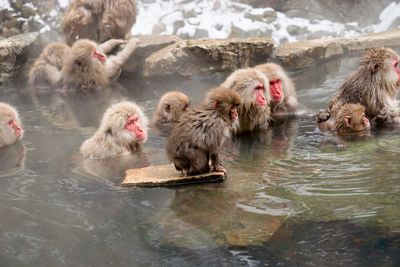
201, 132
350, 118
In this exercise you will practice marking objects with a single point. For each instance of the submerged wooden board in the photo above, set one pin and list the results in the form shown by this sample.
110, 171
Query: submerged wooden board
165, 175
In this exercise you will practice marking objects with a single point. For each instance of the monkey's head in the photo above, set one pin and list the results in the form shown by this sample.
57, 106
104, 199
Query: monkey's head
75, 21
225, 102
10, 125
86, 49
277, 78
351, 118
171, 106
252, 86
383, 62
125, 122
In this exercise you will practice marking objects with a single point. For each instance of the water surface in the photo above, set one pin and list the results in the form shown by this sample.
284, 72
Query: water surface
292, 197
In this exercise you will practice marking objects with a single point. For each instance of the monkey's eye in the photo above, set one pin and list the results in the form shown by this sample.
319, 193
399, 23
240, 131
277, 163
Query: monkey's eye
259, 87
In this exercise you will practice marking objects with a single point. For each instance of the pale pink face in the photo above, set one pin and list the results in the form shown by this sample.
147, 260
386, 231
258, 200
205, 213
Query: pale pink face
18, 130
134, 126
259, 93
100, 56
396, 68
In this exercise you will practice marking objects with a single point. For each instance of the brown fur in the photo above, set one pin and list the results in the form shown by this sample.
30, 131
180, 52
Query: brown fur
201, 132
243, 82
373, 85
289, 100
98, 20
7, 134
84, 72
354, 113
112, 139
46, 70
170, 107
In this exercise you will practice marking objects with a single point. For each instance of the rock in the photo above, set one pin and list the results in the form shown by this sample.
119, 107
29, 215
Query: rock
177, 25
200, 33
17, 4
13, 53
158, 28
27, 11
300, 55
204, 55
296, 30
147, 46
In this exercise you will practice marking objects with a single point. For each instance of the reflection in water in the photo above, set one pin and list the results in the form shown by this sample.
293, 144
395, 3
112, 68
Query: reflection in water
291, 197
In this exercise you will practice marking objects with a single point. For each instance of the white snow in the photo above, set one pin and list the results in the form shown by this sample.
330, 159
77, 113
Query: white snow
387, 17
4, 4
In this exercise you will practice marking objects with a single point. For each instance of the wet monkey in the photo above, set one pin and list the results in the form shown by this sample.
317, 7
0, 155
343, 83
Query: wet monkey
170, 107
253, 87
98, 20
201, 132
46, 70
281, 88
88, 68
374, 85
10, 125
122, 130
350, 118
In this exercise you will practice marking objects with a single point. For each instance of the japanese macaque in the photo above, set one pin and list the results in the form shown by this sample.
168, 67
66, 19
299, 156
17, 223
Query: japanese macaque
374, 85
350, 118
201, 132
98, 20
10, 125
123, 130
253, 87
46, 70
281, 88
88, 68
171, 106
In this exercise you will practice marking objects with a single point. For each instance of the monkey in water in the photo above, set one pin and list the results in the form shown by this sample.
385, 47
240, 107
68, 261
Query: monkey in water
281, 88
350, 118
374, 85
98, 20
46, 70
122, 130
253, 87
10, 125
171, 106
201, 132
88, 68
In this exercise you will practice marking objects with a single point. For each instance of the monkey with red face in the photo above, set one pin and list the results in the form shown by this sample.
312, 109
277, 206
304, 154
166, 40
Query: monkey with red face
10, 125
253, 87
282, 89
123, 130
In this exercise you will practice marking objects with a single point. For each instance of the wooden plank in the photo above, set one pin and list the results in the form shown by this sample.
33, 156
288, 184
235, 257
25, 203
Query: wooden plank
166, 175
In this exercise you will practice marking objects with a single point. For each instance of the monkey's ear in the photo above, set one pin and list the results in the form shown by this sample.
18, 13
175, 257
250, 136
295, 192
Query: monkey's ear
167, 107
347, 121
217, 103
375, 67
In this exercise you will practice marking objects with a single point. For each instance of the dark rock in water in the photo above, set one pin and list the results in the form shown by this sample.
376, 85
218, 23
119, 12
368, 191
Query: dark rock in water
14, 52
208, 55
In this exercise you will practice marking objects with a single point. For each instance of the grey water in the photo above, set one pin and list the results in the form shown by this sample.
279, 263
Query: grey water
292, 198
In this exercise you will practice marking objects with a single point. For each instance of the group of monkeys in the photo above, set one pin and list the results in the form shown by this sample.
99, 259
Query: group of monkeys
248, 100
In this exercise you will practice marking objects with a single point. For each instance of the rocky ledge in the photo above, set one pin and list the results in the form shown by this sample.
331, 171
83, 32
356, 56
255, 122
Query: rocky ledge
170, 55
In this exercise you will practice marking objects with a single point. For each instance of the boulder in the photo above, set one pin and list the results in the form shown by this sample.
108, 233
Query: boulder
189, 57
14, 52
300, 55
147, 46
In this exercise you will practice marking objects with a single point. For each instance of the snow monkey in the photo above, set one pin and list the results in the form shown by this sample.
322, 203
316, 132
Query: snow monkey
281, 88
122, 130
88, 68
171, 106
46, 70
98, 20
253, 87
10, 125
201, 132
374, 85
350, 118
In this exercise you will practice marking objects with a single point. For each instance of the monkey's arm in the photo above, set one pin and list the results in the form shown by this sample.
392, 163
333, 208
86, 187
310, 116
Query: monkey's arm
387, 116
114, 63
109, 45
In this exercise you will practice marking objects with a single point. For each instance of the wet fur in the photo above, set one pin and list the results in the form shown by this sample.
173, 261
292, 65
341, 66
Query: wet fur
7, 134
112, 139
170, 107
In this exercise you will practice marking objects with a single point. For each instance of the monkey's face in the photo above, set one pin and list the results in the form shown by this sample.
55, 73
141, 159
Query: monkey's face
10, 130
134, 125
259, 95
99, 56
275, 89
357, 122
396, 70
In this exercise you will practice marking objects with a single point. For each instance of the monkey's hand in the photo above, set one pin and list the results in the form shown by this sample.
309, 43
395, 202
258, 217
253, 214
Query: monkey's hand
384, 116
220, 168
323, 116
